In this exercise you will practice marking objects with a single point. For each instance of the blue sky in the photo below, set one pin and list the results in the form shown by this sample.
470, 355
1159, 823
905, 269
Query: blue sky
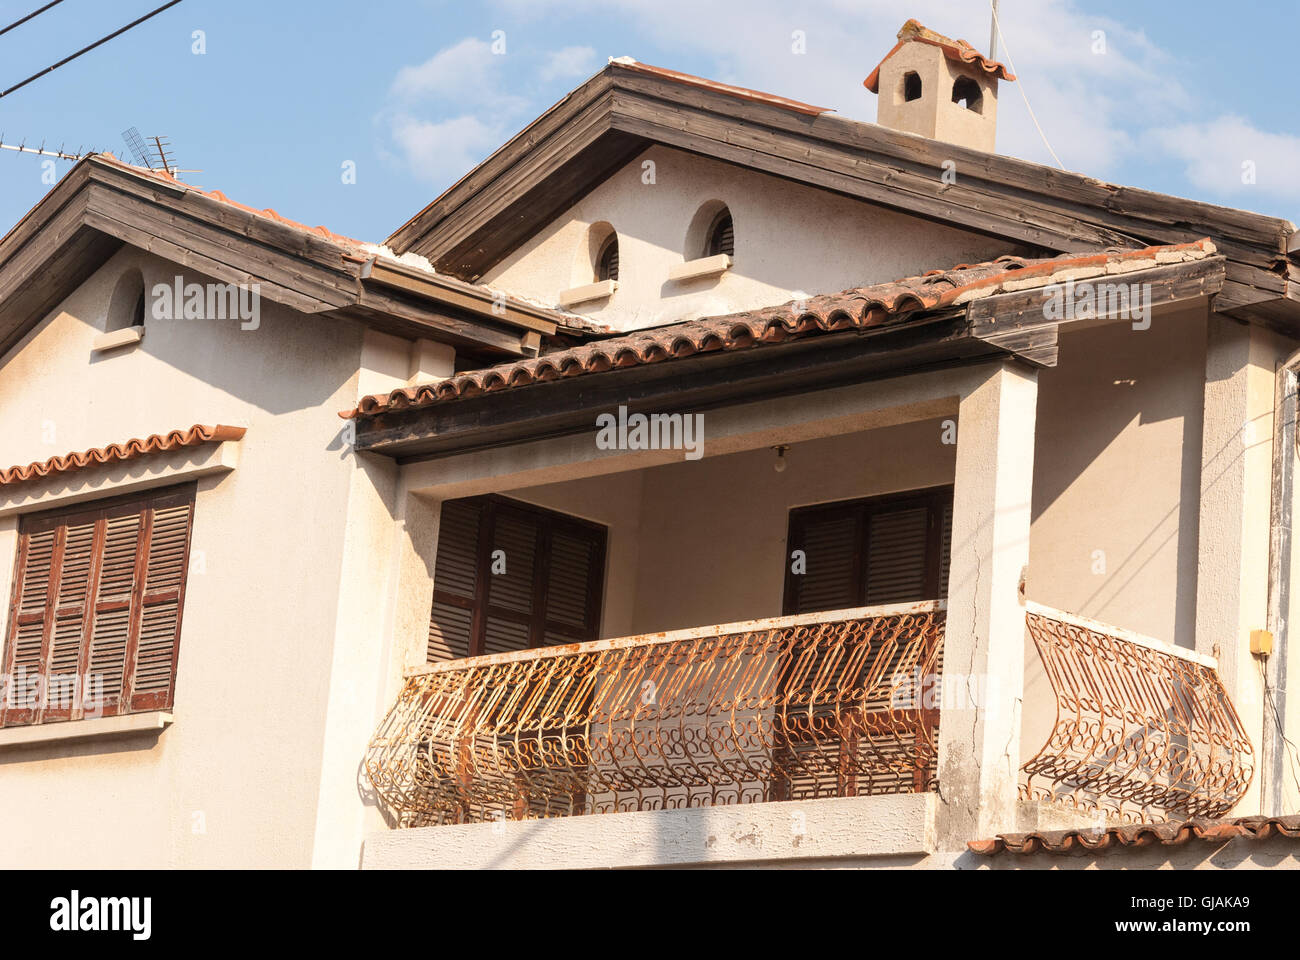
1177, 97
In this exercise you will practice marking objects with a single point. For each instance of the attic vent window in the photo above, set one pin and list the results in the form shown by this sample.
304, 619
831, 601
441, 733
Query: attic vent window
722, 236
966, 93
607, 260
911, 86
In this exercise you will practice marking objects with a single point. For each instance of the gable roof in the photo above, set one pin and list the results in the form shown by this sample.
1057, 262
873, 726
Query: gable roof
958, 51
103, 203
878, 305
627, 107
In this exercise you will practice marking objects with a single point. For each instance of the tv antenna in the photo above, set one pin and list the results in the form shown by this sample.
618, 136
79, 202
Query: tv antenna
156, 154
59, 154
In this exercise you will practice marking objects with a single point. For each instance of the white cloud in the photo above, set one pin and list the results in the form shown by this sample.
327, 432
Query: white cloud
1217, 154
441, 152
568, 63
467, 73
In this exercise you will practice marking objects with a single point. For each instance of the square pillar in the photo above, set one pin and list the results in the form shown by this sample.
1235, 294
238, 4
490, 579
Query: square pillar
984, 645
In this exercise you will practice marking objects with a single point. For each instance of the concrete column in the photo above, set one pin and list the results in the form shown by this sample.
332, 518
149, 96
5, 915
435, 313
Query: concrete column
1236, 480
984, 646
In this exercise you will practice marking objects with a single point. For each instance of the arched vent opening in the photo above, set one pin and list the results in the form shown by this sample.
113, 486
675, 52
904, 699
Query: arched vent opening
966, 92
128, 305
911, 86
607, 259
722, 235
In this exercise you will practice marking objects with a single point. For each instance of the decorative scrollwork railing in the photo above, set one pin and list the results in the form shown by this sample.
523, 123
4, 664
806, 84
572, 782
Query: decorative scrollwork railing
835, 704
1142, 730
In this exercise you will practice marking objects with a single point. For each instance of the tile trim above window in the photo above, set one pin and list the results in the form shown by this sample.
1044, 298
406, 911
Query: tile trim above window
132, 467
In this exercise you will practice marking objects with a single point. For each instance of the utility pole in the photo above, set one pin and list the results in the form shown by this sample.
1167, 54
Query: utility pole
993, 32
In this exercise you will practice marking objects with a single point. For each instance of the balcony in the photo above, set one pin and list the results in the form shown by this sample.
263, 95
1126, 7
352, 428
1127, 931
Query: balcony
837, 704
806, 707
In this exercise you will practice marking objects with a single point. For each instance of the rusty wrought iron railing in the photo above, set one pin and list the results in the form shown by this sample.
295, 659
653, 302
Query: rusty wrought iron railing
834, 704
1141, 731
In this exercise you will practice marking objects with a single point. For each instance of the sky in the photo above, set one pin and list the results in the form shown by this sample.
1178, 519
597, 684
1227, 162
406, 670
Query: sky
276, 101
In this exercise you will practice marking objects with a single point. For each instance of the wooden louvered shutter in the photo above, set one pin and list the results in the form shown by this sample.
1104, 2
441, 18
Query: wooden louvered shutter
455, 580
158, 622
34, 586
881, 550
97, 606
548, 592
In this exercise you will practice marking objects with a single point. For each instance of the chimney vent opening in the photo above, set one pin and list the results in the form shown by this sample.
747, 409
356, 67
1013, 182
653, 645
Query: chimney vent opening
966, 93
911, 86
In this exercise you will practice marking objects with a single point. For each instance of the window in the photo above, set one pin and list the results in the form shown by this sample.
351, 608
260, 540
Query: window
511, 576
966, 92
96, 616
891, 549
607, 259
722, 236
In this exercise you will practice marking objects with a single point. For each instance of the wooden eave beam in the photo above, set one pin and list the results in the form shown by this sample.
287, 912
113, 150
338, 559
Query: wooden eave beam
1019, 322
569, 406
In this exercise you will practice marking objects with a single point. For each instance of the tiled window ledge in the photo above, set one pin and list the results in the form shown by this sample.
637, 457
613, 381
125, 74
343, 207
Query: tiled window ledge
153, 720
117, 338
700, 269
588, 293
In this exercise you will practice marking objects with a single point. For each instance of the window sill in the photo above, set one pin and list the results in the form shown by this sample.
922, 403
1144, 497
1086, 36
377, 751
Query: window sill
714, 266
117, 338
150, 721
585, 294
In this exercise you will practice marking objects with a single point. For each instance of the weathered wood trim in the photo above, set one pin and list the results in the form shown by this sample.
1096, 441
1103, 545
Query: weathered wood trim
1001, 196
708, 380
1018, 322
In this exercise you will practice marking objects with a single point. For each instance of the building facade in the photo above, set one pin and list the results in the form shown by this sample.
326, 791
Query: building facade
703, 480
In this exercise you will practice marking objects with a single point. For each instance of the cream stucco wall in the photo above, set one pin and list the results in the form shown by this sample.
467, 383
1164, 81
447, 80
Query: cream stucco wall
1117, 474
272, 602
694, 543
791, 240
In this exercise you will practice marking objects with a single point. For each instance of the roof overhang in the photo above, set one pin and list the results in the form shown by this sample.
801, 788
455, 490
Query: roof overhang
1014, 325
626, 108
102, 204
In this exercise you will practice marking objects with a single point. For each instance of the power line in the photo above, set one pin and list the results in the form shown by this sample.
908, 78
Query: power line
34, 13
997, 31
103, 40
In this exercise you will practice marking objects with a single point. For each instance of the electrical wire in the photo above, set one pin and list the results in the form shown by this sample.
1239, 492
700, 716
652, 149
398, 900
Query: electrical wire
1270, 707
87, 49
34, 13
997, 25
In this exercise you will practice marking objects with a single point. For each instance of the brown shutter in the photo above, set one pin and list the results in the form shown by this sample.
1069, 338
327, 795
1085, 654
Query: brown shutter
549, 593
455, 580
880, 550
98, 596
164, 592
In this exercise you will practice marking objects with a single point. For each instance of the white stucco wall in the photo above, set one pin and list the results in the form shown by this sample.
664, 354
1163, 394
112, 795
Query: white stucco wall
789, 238
235, 780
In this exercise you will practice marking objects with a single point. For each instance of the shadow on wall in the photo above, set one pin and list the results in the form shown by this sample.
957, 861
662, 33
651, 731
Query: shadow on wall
261, 360
1113, 381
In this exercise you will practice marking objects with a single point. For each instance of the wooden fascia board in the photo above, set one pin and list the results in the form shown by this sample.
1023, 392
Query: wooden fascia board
570, 406
480, 302
1020, 322
996, 195
503, 159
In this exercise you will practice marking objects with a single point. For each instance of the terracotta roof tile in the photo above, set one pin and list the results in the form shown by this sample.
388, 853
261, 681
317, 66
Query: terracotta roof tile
129, 450
958, 50
876, 305
1139, 835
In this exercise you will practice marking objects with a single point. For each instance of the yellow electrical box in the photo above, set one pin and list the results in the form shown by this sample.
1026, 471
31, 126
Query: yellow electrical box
1261, 642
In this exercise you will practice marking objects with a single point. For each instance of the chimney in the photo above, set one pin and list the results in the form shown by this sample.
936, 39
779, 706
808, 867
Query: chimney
939, 88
